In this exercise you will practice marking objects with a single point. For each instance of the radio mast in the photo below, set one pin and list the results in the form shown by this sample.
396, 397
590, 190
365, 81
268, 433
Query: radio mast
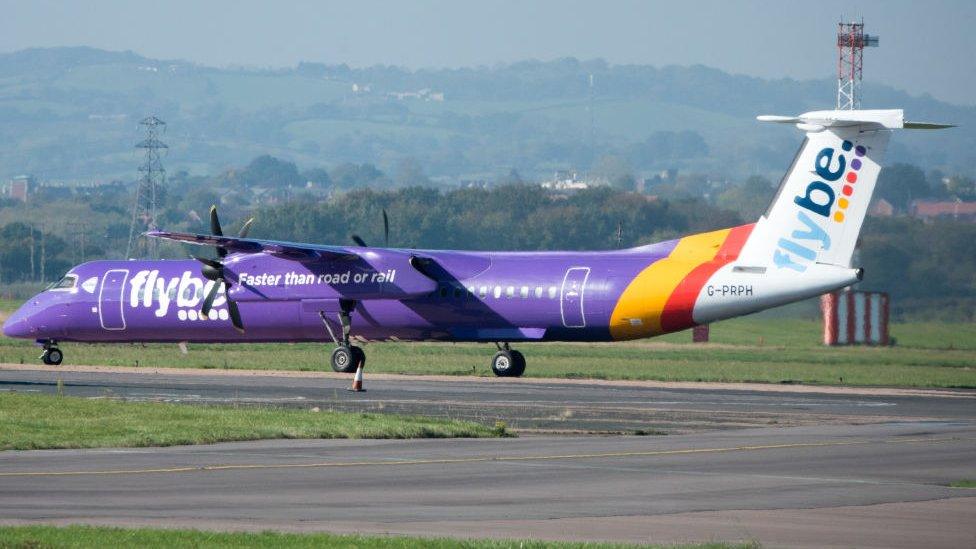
851, 42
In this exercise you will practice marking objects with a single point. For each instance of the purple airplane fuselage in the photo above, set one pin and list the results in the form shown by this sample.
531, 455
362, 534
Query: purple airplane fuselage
464, 296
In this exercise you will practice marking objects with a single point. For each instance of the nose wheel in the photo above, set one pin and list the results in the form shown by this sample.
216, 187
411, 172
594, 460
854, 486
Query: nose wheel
508, 362
52, 356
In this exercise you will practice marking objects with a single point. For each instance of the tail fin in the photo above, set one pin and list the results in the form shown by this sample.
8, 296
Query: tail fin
817, 213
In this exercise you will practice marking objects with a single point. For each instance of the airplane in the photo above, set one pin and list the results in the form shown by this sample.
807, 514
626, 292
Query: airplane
259, 290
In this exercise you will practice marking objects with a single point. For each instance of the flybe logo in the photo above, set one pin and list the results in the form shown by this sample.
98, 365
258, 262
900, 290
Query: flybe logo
819, 206
185, 293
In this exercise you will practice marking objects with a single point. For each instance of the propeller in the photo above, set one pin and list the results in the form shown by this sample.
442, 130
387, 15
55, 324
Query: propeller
213, 269
386, 234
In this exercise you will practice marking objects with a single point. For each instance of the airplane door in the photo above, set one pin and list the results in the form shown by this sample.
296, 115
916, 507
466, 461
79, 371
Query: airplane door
571, 297
111, 299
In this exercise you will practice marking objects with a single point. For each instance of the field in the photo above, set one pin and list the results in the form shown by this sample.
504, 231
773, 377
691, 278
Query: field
39, 421
755, 349
88, 536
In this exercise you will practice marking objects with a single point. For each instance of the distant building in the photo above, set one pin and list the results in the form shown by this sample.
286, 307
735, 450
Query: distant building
881, 208
425, 94
19, 187
958, 210
568, 180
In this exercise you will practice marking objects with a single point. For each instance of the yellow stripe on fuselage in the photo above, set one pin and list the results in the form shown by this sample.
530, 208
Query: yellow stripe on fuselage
645, 296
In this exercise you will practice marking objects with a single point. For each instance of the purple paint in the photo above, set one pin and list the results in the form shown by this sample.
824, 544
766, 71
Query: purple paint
860, 150
856, 164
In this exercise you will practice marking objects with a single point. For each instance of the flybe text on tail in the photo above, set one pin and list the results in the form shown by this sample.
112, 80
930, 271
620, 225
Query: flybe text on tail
819, 205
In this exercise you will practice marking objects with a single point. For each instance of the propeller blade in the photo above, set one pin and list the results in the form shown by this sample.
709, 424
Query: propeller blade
215, 222
235, 315
216, 230
386, 229
359, 241
208, 301
245, 228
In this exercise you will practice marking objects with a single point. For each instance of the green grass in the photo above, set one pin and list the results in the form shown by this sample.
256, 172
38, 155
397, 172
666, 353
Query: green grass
89, 536
41, 421
755, 349
965, 483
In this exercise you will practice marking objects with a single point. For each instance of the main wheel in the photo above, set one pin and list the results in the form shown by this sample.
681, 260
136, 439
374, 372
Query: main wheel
508, 364
358, 357
518, 364
342, 359
52, 356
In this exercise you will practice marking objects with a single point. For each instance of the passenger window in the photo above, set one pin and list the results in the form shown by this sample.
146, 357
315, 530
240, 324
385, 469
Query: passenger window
498, 292
524, 292
470, 291
458, 292
510, 291
552, 292
538, 292
444, 291
483, 292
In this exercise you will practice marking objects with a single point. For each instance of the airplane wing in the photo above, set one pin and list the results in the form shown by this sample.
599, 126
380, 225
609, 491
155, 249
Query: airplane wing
289, 250
412, 270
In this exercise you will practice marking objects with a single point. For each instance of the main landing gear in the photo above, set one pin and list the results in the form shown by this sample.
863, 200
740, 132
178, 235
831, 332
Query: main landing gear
52, 356
507, 362
345, 357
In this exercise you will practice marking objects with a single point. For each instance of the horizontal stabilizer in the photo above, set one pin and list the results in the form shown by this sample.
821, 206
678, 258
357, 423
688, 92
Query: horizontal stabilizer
868, 119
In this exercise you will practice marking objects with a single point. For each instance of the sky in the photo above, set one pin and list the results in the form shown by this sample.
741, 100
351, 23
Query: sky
926, 47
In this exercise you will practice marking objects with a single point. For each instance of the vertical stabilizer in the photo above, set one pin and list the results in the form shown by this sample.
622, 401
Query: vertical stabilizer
817, 213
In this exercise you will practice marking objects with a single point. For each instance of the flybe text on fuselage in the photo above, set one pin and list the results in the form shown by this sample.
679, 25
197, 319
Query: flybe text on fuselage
150, 290
816, 208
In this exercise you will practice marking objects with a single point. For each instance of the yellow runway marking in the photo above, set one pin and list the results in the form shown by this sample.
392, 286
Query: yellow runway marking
477, 459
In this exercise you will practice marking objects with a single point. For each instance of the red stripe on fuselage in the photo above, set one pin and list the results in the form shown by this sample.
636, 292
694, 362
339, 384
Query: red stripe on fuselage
680, 306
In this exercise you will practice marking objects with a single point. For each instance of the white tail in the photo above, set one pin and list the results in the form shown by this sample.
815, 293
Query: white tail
817, 213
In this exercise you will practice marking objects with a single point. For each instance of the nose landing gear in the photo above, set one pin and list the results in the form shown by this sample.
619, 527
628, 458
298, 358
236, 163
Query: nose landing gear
508, 362
52, 356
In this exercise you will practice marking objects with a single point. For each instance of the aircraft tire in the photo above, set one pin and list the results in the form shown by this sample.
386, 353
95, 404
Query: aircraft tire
343, 360
52, 356
358, 357
508, 364
519, 364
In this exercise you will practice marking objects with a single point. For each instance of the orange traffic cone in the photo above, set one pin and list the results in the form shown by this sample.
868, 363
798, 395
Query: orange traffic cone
357, 382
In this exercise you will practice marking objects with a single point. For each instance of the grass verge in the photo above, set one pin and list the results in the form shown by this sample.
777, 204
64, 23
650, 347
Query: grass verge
39, 421
755, 349
965, 483
89, 536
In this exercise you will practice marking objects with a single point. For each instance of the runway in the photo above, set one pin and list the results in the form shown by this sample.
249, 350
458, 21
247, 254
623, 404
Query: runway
529, 405
800, 466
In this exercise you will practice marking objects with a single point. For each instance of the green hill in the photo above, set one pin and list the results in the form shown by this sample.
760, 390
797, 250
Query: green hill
72, 113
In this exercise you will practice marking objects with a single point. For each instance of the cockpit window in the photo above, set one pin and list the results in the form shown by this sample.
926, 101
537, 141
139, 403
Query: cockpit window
67, 282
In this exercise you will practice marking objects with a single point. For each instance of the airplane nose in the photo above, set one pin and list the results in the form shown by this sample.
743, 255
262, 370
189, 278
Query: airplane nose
17, 326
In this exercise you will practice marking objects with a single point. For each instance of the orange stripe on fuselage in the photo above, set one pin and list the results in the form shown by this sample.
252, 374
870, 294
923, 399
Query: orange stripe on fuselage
641, 308
680, 306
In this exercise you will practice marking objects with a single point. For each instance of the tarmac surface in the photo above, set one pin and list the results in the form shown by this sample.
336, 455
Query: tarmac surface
839, 468
529, 405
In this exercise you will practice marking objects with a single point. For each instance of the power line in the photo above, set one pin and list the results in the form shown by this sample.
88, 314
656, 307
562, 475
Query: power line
147, 193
